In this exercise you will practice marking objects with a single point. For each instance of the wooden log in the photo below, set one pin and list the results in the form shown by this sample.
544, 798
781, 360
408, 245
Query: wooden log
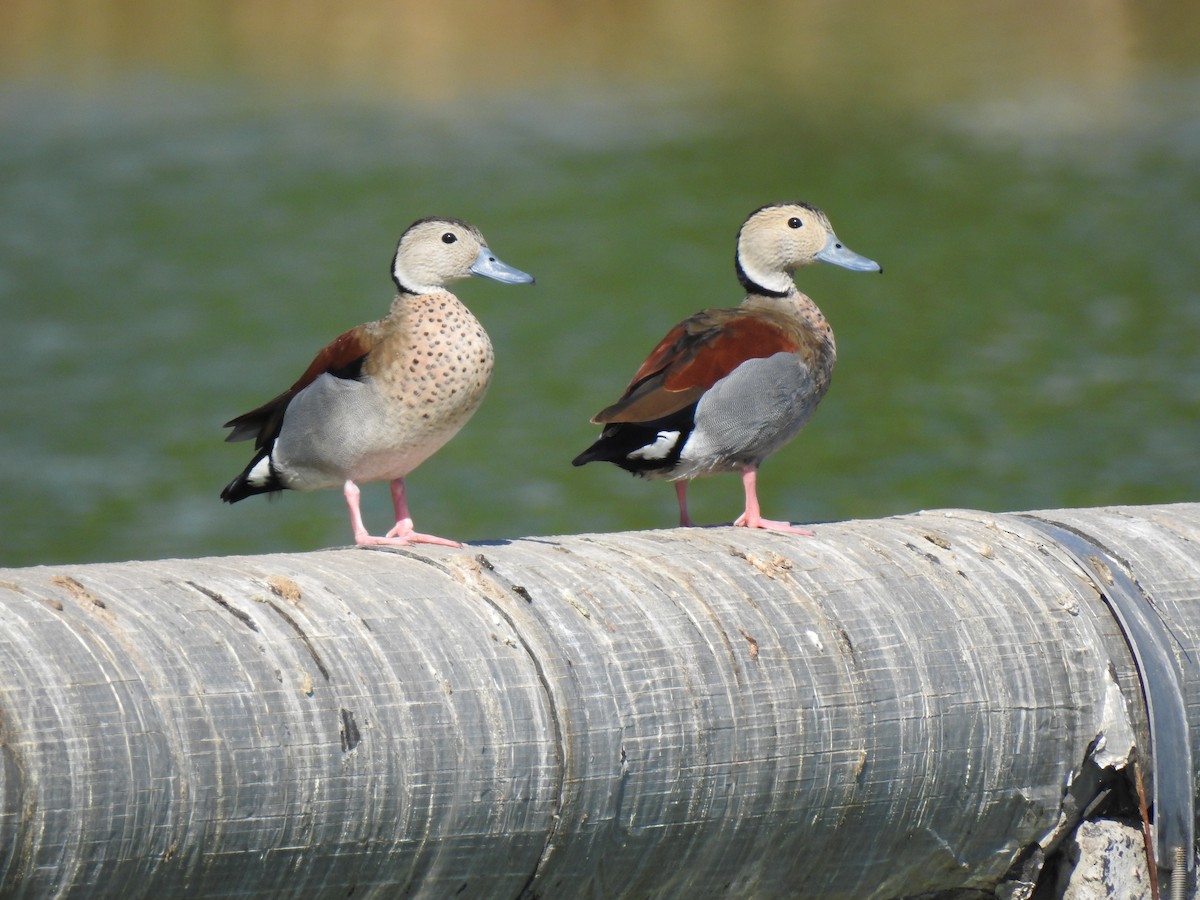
886, 709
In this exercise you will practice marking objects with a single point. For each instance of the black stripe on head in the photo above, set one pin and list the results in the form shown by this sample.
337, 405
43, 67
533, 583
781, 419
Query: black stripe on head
449, 220
806, 205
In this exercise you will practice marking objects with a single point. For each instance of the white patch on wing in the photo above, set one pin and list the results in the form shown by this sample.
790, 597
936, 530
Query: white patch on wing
661, 447
261, 473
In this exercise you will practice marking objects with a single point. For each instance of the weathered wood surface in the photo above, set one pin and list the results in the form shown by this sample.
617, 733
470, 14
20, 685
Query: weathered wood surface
888, 708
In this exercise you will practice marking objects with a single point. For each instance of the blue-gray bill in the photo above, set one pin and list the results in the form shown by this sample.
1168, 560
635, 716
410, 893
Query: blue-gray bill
487, 265
838, 254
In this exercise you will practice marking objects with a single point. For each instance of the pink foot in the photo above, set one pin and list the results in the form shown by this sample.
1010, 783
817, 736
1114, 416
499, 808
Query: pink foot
751, 518
413, 537
743, 521
401, 534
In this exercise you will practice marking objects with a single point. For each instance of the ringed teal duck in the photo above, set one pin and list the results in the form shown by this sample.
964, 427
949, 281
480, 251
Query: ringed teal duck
726, 388
385, 396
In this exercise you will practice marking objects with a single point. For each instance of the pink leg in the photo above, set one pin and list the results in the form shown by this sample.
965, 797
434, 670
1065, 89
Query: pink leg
751, 518
403, 529
352, 494
402, 533
685, 521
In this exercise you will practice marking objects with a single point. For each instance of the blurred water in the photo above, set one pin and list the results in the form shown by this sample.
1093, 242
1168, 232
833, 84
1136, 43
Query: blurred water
188, 213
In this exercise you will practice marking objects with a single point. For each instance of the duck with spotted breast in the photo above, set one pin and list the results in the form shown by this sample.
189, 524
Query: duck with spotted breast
726, 388
385, 396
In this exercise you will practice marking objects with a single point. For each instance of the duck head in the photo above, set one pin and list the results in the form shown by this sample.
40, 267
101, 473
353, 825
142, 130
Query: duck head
778, 239
435, 252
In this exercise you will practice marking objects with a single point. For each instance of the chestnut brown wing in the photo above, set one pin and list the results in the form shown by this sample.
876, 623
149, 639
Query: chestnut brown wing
695, 355
342, 357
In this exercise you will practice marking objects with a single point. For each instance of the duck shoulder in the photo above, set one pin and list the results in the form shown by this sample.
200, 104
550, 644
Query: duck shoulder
700, 351
342, 358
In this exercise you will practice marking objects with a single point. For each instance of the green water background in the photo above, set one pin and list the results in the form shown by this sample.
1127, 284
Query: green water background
196, 196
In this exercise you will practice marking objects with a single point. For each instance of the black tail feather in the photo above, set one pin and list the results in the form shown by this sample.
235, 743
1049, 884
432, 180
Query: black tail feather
241, 487
620, 439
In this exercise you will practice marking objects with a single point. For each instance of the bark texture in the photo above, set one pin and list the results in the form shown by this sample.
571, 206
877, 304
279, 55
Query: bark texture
887, 709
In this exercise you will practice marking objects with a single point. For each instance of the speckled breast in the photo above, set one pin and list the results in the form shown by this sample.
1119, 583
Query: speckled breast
440, 368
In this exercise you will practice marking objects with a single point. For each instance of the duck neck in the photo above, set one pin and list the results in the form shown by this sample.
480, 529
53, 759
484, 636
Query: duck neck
414, 280
764, 283
406, 287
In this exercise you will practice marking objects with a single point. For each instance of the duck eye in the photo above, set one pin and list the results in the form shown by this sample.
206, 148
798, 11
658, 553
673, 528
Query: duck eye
449, 237
793, 222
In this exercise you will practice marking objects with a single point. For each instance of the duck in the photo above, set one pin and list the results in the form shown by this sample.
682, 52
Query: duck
728, 387
386, 395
